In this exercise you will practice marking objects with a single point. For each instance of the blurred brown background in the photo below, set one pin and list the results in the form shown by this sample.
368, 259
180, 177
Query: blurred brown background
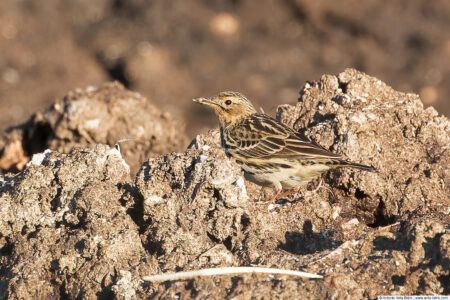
173, 51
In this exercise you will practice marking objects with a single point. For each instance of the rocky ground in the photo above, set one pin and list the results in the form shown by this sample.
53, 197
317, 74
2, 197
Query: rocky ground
108, 115
77, 222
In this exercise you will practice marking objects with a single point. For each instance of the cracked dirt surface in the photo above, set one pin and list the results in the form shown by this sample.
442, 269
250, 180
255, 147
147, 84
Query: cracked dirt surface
80, 225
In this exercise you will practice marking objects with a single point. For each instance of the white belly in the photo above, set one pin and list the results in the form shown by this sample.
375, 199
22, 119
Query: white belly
286, 178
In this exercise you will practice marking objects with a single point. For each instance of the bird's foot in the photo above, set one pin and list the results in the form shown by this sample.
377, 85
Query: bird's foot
279, 195
288, 192
274, 197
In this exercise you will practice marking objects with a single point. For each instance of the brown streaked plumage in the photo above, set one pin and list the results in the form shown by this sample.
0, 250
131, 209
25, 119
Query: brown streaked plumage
269, 152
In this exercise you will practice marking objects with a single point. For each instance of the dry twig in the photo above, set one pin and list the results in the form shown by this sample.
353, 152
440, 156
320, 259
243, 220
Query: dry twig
226, 271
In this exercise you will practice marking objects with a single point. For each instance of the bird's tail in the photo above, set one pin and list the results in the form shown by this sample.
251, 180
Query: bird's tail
344, 163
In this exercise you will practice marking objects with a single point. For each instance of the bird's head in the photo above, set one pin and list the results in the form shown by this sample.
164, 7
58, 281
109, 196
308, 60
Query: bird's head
230, 107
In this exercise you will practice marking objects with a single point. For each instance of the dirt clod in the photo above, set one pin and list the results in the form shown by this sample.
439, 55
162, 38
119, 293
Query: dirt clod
109, 114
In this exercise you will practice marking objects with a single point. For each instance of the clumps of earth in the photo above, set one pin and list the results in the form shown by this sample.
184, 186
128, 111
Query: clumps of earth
108, 115
84, 216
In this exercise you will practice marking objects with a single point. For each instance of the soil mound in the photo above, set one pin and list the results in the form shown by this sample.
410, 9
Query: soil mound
78, 225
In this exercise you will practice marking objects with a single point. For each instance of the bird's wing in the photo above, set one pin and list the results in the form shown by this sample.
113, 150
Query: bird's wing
261, 136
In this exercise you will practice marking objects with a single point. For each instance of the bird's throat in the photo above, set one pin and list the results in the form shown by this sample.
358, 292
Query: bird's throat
228, 119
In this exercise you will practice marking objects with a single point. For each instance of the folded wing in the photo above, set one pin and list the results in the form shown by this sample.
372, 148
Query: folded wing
264, 137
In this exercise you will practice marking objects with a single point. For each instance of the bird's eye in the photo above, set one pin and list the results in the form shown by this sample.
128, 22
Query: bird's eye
228, 102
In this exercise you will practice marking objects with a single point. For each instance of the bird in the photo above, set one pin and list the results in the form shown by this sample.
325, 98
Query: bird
269, 152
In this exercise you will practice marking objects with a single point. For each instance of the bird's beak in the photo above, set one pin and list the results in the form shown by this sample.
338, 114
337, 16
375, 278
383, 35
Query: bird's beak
206, 101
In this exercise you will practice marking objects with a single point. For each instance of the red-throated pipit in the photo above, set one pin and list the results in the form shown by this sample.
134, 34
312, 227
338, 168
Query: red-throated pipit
269, 152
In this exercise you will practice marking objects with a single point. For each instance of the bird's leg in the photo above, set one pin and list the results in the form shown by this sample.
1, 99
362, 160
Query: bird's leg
275, 196
288, 192
279, 195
